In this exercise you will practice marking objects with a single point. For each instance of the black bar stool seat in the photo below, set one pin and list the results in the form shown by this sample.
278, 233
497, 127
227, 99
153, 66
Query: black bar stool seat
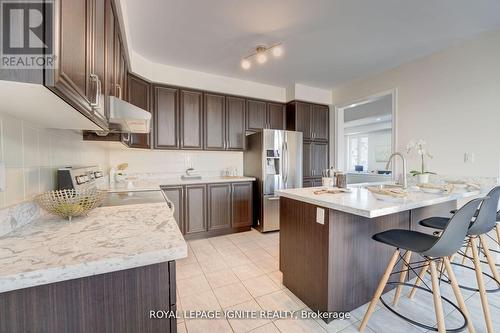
435, 222
410, 240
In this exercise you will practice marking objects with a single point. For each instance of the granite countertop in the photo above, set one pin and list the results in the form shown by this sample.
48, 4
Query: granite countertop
154, 184
109, 239
361, 202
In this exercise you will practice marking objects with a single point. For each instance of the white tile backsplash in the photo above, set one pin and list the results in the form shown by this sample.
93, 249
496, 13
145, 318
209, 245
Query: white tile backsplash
174, 163
32, 155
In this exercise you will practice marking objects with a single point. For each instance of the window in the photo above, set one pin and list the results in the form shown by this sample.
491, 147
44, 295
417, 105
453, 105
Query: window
357, 151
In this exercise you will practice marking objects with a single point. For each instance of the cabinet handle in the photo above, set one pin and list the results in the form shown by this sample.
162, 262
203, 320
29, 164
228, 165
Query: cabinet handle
119, 89
97, 98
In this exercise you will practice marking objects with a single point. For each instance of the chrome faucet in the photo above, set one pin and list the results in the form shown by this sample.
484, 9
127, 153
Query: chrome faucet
405, 180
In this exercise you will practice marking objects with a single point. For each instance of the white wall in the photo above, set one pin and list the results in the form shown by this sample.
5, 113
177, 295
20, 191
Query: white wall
174, 163
450, 99
32, 156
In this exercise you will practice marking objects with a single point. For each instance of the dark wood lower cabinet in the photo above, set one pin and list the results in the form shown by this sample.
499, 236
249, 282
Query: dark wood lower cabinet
212, 209
112, 302
219, 206
195, 208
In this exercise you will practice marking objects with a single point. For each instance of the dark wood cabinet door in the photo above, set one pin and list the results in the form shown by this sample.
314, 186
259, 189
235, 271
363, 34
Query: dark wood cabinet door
117, 56
219, 206
319, 158
99, 54
214, 122
256, 115
139, 94
109, 81
320, 122
235, 122
166, 118
275, 116
241, 204
303, 119
73, 52
191, 119
175, 194
306, 160
195, 216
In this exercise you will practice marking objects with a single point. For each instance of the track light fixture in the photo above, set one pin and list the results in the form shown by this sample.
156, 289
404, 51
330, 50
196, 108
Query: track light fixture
260, 55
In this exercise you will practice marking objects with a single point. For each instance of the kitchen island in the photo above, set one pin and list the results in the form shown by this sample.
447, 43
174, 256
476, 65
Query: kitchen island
327, 256
99, 273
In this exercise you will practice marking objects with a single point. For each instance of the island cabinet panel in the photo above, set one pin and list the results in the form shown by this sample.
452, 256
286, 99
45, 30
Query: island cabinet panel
219, 206
215, 122
235, 121
335, 266
175, 195
166, 118
241, 204
139, 94
191, 115
195, 206
256, 115
114, 302
275, 116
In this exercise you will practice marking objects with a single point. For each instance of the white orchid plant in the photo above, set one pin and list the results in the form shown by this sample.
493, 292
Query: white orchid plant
419, 147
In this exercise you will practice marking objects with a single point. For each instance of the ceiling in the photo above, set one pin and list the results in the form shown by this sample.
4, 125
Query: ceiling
326, 42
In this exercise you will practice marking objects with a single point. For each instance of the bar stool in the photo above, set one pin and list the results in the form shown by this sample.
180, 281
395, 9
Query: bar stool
484, 222
431, 248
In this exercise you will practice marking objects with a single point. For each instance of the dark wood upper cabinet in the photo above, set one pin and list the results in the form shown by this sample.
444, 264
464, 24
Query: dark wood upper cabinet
166, 118
219, 206
320, 122
256, 115
214, 122
241, 204
195, 218
235, 121
191, 116
303, 119
139, 94
275, 116
109, 81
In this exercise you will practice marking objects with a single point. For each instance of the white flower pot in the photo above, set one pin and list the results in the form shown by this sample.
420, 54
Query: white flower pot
423, 178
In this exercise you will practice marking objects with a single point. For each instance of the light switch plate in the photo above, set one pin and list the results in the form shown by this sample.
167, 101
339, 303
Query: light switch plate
320, 215
2, 176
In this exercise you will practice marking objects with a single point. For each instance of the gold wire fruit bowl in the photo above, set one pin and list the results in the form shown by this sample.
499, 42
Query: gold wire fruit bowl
69, 203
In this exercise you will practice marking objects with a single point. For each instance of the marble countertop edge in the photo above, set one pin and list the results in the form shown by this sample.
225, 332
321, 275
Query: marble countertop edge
97, 267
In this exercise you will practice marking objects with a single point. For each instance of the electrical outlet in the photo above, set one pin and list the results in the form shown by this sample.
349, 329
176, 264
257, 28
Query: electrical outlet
468, 157
320, 215
2, 176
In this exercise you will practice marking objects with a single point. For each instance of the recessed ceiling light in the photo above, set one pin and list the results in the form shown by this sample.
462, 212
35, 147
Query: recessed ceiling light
378, 119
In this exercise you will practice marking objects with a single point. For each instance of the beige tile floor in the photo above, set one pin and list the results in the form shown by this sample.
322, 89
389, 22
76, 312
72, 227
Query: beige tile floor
241, 272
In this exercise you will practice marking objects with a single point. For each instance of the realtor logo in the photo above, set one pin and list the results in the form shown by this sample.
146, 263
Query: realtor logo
27, 34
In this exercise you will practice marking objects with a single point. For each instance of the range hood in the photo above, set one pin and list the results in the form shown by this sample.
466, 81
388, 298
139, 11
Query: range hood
127, 118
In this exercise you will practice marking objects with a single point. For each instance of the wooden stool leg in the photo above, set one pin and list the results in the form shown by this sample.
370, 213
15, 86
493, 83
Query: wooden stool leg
402, 276
380, 289
436, 294
466, 252
458, 294
489, 257
421, 275
482, 290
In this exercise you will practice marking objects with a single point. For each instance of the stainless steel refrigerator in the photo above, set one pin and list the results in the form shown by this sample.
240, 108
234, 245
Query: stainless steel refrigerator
274, 158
